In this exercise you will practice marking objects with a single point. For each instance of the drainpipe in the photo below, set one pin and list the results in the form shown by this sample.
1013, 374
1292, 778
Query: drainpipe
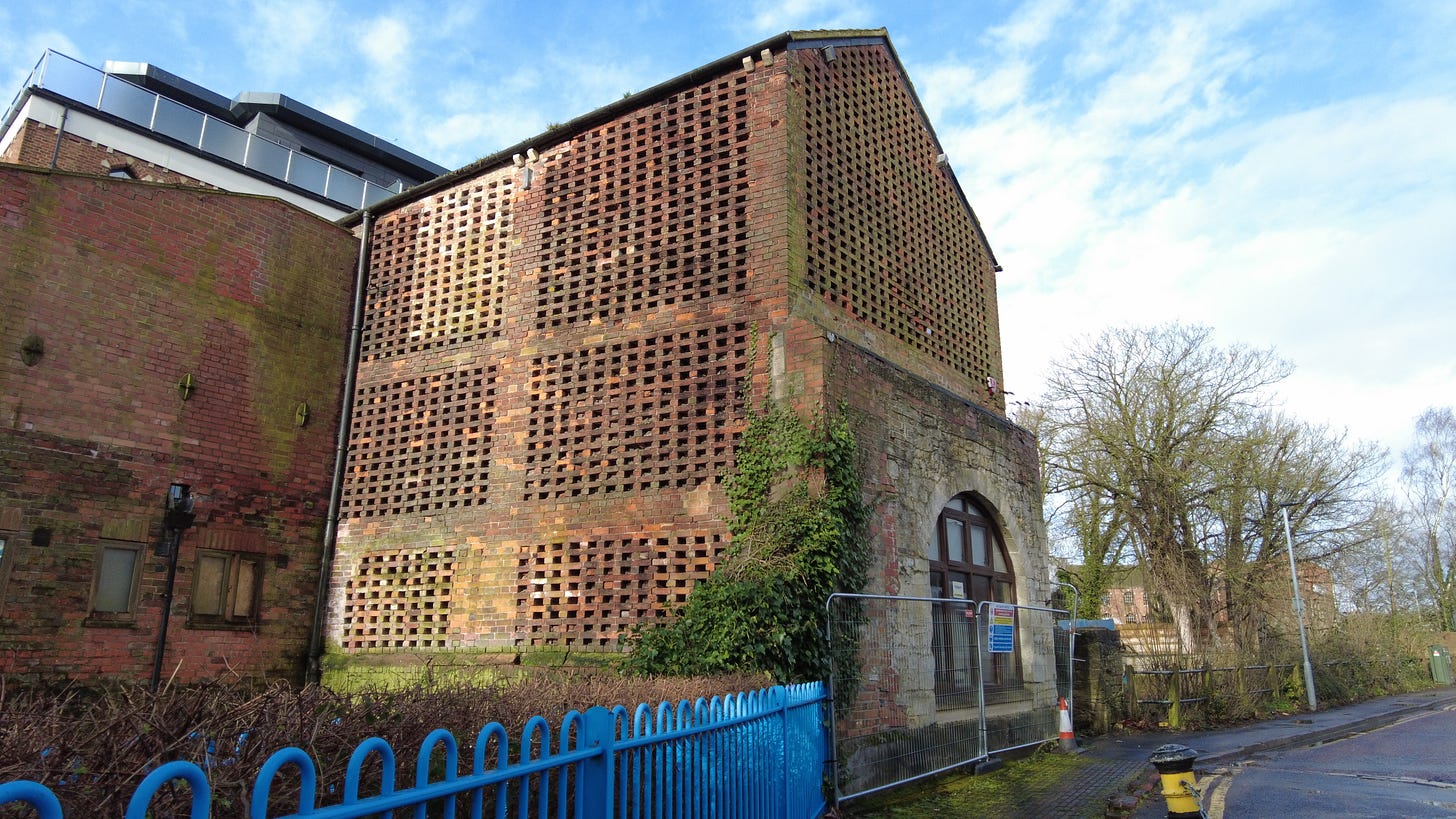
60, 133
314, 672
178, 518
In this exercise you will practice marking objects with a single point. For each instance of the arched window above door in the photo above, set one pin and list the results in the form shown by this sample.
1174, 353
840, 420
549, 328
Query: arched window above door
968, 560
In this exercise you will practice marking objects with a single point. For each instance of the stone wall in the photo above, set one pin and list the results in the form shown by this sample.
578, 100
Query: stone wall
922, 447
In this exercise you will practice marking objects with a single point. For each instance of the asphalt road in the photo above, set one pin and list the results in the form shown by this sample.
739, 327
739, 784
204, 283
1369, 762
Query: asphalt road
1406, 769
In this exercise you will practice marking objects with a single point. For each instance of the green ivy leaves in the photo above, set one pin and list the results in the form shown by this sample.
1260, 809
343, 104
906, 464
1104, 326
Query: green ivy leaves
797, 519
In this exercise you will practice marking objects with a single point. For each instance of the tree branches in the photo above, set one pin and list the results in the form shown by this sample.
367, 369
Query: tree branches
1160, 441
1428, 476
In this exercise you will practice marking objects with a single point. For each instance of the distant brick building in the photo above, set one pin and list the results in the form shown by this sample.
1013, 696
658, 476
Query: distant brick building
154, 334
560, 339
1146, 629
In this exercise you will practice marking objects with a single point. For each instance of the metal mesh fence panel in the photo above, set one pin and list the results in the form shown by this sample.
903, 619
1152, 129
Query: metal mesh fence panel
925, 684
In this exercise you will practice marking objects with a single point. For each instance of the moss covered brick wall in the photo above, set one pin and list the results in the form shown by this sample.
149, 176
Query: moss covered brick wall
118, 291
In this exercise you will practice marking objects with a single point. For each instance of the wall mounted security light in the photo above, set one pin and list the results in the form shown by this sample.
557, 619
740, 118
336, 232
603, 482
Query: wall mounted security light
179, 507
186, 386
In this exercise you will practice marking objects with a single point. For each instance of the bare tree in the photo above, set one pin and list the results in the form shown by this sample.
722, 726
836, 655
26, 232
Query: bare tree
1380, 576
1428, 477
1332, 490
1088, 533
1144, 417
1159, 442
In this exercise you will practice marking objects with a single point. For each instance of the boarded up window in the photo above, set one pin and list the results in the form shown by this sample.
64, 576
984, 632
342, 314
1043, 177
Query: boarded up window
209, 594
245, 589
226, 587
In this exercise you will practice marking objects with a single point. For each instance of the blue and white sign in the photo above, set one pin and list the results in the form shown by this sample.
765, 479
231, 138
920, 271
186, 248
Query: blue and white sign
1002, 629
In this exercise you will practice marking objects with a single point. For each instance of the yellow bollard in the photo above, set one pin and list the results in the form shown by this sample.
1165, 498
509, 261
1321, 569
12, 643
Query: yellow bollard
1180, 784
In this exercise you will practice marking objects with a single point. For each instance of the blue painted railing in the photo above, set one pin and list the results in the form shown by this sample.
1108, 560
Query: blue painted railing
755, 755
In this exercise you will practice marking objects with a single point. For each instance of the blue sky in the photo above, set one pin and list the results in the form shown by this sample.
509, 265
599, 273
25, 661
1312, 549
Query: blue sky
1283, 171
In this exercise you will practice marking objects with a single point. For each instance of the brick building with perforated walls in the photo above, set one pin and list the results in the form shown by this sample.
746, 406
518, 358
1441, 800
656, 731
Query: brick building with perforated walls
560, 342
153, 335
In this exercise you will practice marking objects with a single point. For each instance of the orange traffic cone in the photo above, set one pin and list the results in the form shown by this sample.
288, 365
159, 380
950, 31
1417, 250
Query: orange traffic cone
1065, 737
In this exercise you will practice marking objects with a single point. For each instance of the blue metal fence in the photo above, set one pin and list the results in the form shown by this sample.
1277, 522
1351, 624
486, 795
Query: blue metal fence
756, 754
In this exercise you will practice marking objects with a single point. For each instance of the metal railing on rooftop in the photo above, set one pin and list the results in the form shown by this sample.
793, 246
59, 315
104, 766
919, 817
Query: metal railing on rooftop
70, 78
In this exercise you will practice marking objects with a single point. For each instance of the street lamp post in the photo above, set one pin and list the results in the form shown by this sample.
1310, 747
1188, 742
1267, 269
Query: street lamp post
1299, 611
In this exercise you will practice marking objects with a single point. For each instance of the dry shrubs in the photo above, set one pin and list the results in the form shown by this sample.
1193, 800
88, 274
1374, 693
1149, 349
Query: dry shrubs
92, 747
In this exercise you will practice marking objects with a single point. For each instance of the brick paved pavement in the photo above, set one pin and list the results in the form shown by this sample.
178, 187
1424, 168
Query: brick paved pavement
1087, 793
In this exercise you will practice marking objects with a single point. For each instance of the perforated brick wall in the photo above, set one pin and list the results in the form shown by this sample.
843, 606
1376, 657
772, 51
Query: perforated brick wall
637, 414
555, 353
422, 443
888, 240
557, 349
589, 593
436, 278
649, 211
399, 599
644, 214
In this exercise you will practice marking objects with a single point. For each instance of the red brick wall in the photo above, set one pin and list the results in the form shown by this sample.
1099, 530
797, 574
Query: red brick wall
131, 286
553, 378
36, 145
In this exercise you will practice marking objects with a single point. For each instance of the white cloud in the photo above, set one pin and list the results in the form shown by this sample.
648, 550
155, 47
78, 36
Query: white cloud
385, 42
287, 36
1316, 233
22, 53
1030, 26
950, 87
346, 107
777, 16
